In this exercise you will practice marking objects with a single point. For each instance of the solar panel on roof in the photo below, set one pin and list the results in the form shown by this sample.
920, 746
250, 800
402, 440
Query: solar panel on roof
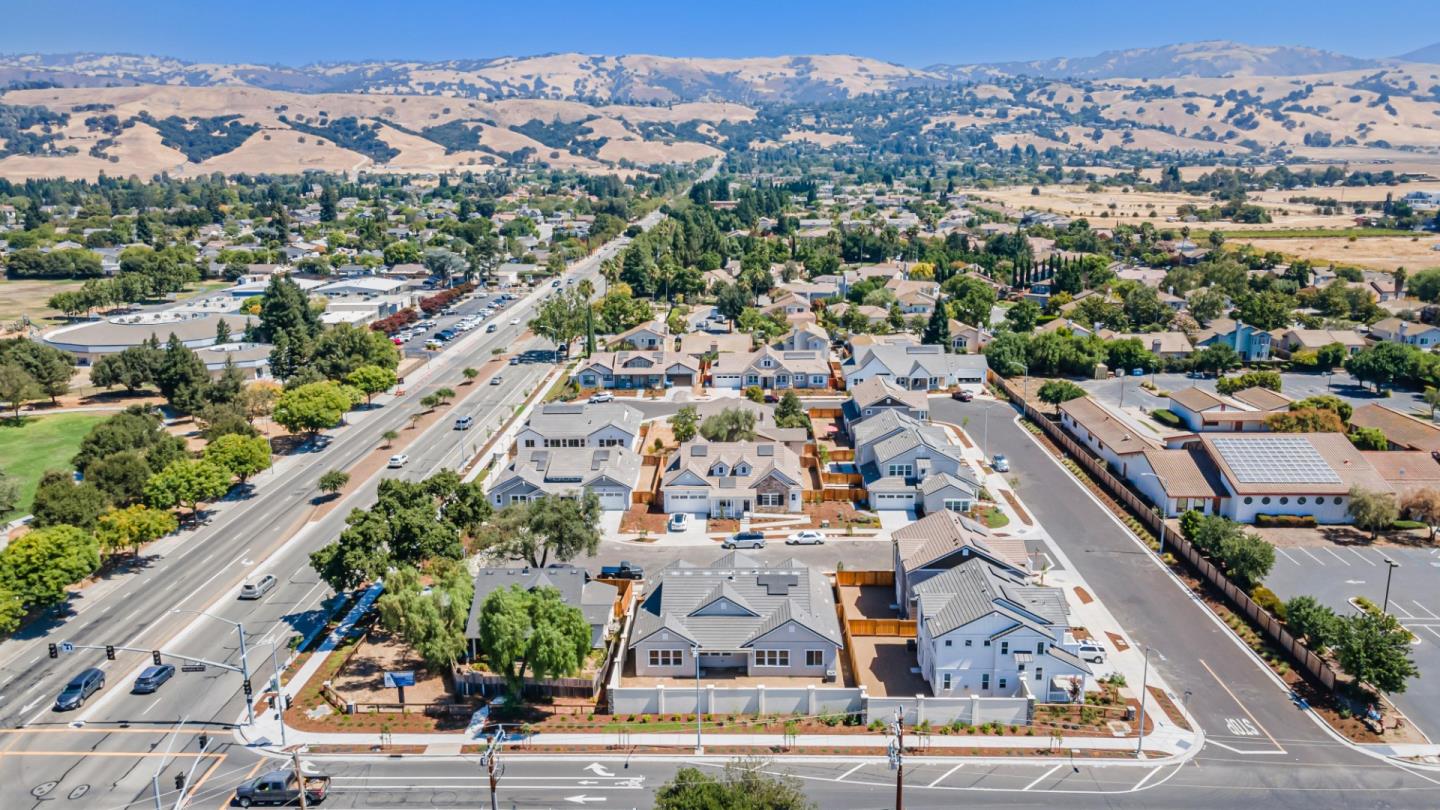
1275, 460
765, 450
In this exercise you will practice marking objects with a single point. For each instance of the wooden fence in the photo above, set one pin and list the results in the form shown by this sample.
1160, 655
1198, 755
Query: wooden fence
846, 494
904, 628
1308, 661
857, 578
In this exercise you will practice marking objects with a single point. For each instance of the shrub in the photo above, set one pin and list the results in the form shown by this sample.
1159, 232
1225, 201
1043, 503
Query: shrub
1285, 521
1266, 598
1165, 416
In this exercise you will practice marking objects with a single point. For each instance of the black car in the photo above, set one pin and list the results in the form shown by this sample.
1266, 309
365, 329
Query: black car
153, 678
444, 335
80, 688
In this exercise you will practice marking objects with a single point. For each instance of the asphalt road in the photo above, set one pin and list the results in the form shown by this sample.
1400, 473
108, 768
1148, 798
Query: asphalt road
202, 570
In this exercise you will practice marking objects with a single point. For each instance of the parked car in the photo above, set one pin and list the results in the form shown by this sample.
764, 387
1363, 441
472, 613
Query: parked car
1092, 652
399, 460
281, 786
962, 395
601, 396
622, 571
808, 537
79, 689
680, 521
745, 540
464, 422
258, 588
1137, 372
1000, 463
153, 678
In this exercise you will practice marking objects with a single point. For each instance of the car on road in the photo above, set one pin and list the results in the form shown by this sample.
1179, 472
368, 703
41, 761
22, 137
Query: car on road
515, 361
622, 571
258, 588
1000, 463
962, 395
496, 380
399, 460
601, 396
807, 537
464, 422
281, 786
153, 678
1137, 372
514, 321
744, 540
80, 688
679, 522
490, 328
555, 283
1091, 652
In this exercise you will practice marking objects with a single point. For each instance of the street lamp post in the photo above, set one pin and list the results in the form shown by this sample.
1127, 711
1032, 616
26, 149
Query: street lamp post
1390, 566
1144, 689
1164, 505
699, 744
244, 659
279, 695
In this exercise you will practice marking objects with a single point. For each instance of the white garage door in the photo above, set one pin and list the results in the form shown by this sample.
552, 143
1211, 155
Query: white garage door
613, 499
888, 500
695, 504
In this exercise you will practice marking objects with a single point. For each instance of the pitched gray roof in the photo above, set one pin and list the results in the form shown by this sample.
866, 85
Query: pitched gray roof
561, 419
975, 589
776, 594
557, 470
917, 361
594, 599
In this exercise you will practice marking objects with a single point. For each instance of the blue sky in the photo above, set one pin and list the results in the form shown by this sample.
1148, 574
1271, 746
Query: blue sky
904, 31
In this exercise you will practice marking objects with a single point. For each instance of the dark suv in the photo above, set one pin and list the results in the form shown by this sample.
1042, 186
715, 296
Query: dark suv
80, 687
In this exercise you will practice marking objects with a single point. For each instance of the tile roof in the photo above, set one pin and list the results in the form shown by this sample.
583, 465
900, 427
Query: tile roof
1195, 399
1334, 451
1401, 429
1186, 473
1405, 470
1263, 398
561, 419
1110, 431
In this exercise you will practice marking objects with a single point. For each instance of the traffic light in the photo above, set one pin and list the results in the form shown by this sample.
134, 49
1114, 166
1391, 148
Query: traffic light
155, 656
180, 781
54, 651
248, 691
109, 653
204, 741
287, 702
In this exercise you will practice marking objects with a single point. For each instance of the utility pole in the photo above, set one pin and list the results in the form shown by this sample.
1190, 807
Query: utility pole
1144, 689
245, 673
279, 696
490, 760
897, 757
299, 780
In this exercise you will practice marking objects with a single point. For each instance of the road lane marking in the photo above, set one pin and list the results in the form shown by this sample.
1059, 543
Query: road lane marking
1307, 553
1427, 610
1362, 557
1042, 776
151, 706
1141, 784
1287, 556
1432, 630
946, 774
1332, 553
1242, 706
1404, 614
847, 773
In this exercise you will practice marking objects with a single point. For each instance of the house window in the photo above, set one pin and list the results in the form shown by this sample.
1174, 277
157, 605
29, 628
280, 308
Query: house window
1249, 499
947, 642
529, 442
1002, 683
1004, 648
1300, 500
985, 680
954, 505
1039, 648
1265, 500
987, 642
1284, 500
945, 682
967, 642
1039, 674
772, 658
665, 658
814, 658
1337, 500
901, 470
769, 499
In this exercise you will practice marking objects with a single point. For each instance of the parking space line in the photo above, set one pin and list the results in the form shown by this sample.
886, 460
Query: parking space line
1151, 775
1332, 553
1242, 706
1042, 776
1422, 607
1307, 553
1432, 630
1404, 614
847, 773
1287, 556
943, 776
1362, 557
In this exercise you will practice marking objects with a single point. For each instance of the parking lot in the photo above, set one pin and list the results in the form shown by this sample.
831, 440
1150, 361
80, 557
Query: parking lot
1335, 574
1293, 385
414, 346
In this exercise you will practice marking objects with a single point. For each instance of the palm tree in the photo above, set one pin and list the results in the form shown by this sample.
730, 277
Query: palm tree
390, 436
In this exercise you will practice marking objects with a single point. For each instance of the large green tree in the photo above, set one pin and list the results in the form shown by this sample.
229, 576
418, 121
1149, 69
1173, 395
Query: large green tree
40, 566
187, 483
59, 500
182, 377
549, 526
312, 407
431, 620
1374, 649
532, 630
343, 348
743, 785
729, 425
133, 527
241, 456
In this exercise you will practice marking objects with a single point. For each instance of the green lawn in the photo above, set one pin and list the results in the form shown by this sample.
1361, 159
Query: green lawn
38, 444
994, 518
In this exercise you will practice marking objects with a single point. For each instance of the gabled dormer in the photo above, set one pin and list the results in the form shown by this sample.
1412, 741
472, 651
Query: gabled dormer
719, 469
742, 469
723, 600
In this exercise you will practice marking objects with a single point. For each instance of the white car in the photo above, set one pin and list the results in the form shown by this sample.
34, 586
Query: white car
679, 522
808, 537
1000, 464
399, 460
1091, 652
514, 321
602, 396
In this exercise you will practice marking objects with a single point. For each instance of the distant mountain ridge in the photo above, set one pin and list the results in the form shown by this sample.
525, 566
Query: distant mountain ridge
1207, 59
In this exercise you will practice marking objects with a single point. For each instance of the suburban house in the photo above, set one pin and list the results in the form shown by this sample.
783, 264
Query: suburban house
1250, 342
984, 631
942, 540
1262, 399
1165, 345
610, 473
898, 456
739, 615
879, 394
648, 336
919, 368
1422, 335
565, 424
965, 338
1201, 410
1406, 471
1402, 431
596, 600
805, 337
729, 479
697, 344
1105, 435
638, 370
1312, 340
772, 369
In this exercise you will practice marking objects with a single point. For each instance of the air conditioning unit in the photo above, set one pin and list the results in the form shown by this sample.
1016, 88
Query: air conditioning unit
829, 676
